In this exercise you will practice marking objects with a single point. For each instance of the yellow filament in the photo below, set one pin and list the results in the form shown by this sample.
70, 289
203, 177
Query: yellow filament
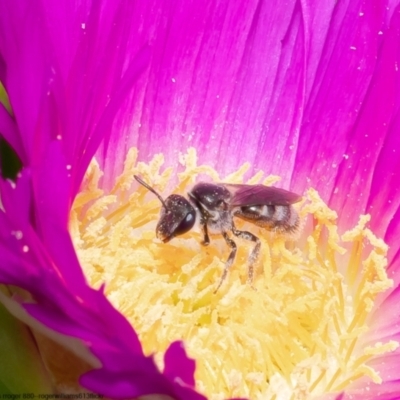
295, 337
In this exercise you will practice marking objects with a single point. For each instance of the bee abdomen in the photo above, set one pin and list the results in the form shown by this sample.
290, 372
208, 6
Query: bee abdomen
281, 218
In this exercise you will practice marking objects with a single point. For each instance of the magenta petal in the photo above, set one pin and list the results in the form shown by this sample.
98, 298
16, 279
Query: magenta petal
116, 385
69, 93
12, 257
16, 199
139, 381
328, 140
143, 378
178, 366
25, 99
386, 391
362, 182
52, 185
221, 74
266, 81
105, 123
386, 319
392, 237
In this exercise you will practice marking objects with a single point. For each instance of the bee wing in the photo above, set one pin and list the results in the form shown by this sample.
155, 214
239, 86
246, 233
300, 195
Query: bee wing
251, 195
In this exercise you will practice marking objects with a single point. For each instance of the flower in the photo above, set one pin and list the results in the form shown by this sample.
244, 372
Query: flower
307, 91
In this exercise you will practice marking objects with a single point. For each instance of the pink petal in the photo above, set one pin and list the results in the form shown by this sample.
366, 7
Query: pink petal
219, 74
367, 179
173, 359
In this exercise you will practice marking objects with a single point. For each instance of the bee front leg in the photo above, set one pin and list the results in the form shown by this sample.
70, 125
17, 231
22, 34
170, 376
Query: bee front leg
230, 259
253, 256
204, 229
203, 225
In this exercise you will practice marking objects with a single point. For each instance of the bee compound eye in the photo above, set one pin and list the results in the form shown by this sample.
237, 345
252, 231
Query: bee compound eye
186, 224
176, 219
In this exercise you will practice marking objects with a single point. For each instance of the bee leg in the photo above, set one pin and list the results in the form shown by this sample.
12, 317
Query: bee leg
230, 259
203, 224
253, 256
204, 229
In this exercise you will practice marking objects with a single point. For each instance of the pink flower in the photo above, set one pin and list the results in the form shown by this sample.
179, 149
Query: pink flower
307, 90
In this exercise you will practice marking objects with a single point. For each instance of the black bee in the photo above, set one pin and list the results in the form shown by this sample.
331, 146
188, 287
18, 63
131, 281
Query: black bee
217, 204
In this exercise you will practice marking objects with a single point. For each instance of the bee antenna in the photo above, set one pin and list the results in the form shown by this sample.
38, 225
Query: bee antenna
148, 187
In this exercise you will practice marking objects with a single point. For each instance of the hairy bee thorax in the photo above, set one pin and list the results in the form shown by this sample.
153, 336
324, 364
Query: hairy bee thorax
300, 335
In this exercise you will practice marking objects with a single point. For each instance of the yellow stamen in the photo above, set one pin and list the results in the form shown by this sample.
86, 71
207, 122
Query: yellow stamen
296, 336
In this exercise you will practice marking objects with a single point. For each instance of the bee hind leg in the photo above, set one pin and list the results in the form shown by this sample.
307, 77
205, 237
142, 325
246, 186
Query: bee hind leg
253, 256
230, 259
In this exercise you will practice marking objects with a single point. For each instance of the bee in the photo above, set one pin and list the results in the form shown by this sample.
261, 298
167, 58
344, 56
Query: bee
217, 204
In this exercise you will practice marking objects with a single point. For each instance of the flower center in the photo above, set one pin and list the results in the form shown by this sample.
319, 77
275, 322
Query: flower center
298, 333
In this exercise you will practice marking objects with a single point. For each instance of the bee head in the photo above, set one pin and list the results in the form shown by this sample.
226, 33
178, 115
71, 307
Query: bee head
177, 215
